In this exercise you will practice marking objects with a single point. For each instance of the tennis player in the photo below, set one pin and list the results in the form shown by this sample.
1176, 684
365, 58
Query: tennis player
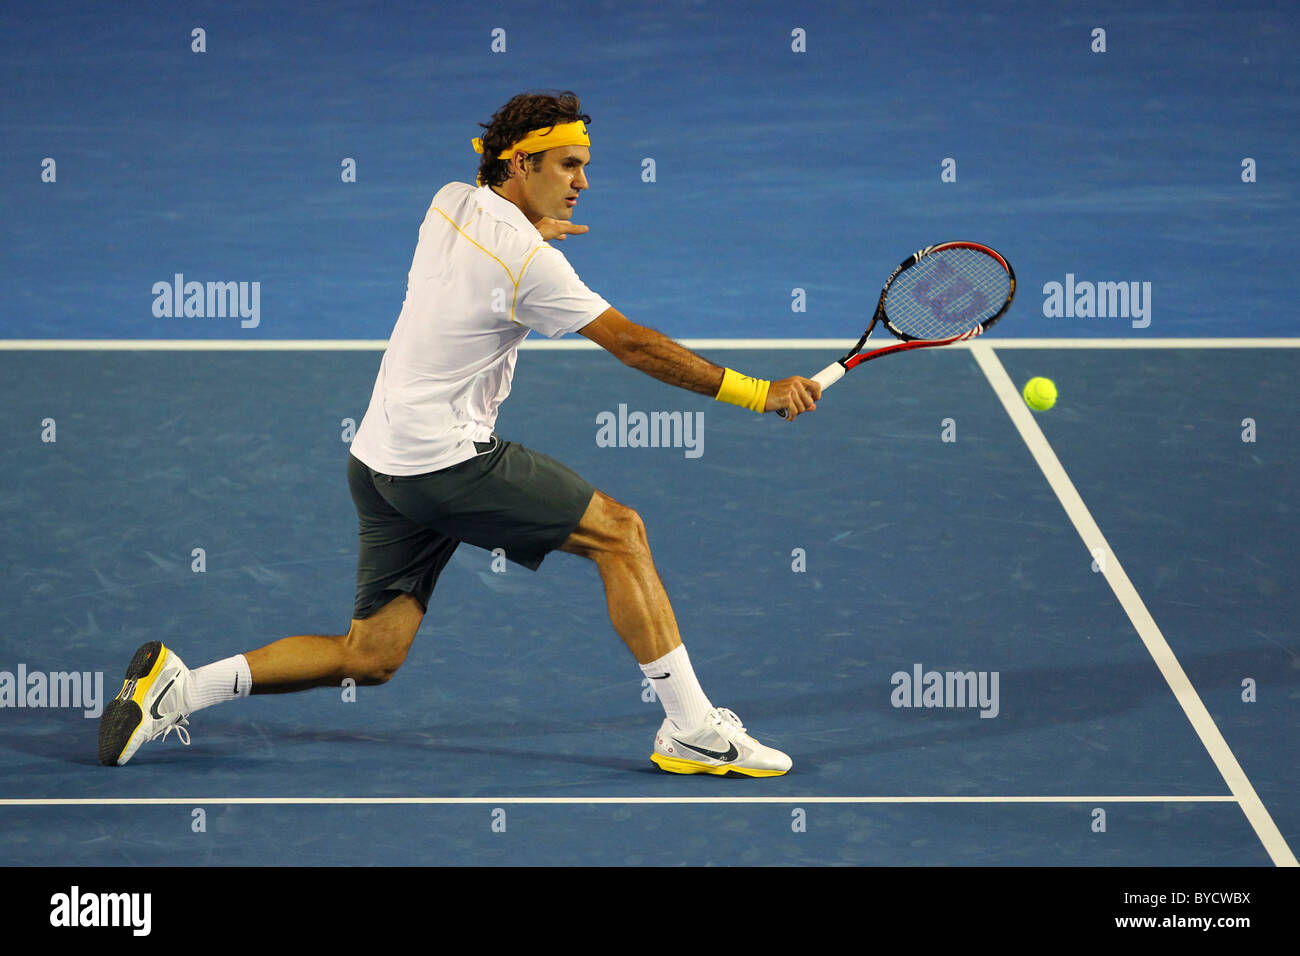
427, 471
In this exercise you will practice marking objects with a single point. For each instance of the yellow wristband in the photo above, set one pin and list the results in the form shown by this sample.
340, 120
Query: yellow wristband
744, 391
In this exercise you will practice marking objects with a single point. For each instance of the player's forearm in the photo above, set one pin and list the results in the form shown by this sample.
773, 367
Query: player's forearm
662, 358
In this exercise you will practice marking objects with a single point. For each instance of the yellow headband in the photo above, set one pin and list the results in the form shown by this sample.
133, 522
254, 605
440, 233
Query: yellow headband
548, 137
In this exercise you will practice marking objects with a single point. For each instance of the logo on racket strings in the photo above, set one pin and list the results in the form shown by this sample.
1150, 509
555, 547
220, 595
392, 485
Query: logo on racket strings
949, 297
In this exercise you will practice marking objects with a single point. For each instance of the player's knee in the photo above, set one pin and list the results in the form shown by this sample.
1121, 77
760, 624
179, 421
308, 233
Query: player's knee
371, 669
374, 655
378, 673
627, 532
610, 532
377, 666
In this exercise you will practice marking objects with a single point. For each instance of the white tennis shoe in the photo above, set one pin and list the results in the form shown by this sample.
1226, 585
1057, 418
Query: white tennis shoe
148, 705
718, 745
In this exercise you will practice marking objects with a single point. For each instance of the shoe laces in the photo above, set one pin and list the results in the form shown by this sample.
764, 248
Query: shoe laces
178, 725
726, 716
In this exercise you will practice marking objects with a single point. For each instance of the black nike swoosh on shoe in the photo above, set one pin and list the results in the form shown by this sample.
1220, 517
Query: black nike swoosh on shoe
236, 683
731, 754
153, 708
661, 676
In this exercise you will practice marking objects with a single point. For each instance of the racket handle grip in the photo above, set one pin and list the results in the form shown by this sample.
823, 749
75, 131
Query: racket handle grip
825, 378
829, 375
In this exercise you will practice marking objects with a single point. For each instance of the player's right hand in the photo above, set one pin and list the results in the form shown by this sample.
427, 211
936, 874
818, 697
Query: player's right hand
796, 395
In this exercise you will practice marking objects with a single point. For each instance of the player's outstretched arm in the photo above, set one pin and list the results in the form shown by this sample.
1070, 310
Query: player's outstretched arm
660, 357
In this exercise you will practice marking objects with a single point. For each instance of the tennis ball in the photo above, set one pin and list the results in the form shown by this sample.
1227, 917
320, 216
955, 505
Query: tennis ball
1040, 394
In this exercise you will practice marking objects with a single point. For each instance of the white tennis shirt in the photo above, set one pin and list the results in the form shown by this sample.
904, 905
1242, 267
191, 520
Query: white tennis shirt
481, 279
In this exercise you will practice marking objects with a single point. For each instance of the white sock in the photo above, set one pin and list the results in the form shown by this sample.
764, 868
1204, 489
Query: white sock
673, 680
217, 683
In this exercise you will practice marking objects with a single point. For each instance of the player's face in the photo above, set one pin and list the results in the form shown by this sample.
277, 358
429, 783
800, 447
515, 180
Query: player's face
552, 190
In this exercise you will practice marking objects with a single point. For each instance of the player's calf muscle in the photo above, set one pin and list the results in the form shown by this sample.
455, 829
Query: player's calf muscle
370, 653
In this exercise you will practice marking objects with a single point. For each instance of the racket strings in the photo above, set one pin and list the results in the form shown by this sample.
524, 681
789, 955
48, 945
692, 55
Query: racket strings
947, 293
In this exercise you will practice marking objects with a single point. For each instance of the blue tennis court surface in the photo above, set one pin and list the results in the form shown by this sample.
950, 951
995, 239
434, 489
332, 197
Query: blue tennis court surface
756, 174
957, 557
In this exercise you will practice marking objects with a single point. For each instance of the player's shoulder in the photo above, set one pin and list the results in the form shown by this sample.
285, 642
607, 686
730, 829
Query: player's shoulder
455, 197
488, 213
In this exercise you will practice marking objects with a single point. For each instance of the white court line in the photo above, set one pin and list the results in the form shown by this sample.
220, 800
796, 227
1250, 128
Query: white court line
578, 343
349, 801
1136, 610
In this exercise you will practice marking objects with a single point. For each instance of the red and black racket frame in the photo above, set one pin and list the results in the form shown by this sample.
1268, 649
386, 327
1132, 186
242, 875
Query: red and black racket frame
855, 357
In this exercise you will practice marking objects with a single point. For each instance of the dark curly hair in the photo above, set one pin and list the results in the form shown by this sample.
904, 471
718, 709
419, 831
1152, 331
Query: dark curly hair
523, 114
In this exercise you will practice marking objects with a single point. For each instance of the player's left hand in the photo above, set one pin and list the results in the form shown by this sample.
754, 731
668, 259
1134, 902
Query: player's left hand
558, 228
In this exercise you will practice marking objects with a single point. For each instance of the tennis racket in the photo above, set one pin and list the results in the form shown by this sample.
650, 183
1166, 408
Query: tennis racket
942, 294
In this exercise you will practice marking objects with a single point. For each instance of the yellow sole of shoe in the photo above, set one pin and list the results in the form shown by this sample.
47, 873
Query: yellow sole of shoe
677, 765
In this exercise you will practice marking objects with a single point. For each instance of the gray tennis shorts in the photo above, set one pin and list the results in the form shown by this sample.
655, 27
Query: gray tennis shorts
507, 496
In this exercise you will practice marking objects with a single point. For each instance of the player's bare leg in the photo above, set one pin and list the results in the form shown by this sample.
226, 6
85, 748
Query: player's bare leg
613, 536
370, 652
160, 692
695, 737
